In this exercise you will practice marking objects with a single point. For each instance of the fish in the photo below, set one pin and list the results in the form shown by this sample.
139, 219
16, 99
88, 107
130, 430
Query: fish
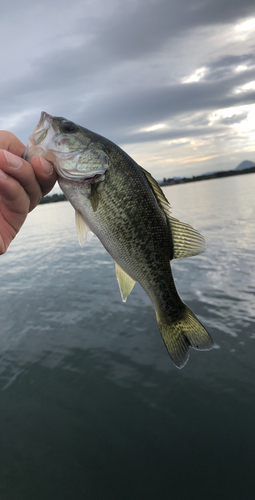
123, 205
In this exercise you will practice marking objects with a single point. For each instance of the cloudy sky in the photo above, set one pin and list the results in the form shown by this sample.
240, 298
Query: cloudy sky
170, 81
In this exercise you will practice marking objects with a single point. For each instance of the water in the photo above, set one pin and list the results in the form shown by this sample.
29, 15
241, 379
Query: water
91, 406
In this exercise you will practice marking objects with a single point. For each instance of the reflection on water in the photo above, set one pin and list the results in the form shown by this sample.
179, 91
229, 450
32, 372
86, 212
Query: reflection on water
91, 405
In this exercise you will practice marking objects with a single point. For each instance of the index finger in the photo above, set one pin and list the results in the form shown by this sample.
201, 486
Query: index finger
45, 174
10, 142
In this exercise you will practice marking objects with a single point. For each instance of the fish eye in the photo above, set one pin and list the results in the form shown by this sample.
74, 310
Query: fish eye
68, 127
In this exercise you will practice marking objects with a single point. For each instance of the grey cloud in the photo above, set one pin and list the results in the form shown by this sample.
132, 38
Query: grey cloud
146, 107
225, 66
108, 81
233, 119
169, 135
117, 114
233, 60
126, 34
150, 24
129, 34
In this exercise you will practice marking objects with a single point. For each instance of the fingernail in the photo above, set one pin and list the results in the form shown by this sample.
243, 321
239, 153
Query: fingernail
47, 167
3, 174
13, 161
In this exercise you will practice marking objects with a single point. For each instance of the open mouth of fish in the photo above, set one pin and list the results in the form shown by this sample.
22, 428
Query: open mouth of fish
42, 141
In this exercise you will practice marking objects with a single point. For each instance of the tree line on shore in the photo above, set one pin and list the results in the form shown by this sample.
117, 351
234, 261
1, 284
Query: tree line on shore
53, 198
168, 182
214, 175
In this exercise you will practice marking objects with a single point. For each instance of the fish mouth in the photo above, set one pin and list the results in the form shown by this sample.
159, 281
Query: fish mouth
35, 144
44, 141
41, 129
45, 117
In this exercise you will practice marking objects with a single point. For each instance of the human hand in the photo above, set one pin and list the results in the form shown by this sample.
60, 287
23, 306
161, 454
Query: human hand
22, 186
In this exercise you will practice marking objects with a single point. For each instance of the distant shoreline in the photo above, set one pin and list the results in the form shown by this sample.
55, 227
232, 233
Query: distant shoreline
168, 182
203, 177
53, 198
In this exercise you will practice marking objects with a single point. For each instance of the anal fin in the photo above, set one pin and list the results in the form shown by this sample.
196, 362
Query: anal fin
126, 283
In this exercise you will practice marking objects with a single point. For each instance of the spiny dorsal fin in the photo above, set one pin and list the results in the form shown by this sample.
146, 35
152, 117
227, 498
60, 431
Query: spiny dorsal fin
186, 240
160, 197
82, 228
126, 283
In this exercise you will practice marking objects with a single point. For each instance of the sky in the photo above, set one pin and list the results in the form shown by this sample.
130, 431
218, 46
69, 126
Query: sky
172, 82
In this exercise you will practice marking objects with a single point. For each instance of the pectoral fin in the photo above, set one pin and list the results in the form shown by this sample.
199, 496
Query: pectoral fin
94, 197
82, 228
126, 283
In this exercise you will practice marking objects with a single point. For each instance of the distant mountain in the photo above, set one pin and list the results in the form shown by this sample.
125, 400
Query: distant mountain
245, 164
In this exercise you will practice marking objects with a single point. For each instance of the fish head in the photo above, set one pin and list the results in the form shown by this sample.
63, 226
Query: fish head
69, 147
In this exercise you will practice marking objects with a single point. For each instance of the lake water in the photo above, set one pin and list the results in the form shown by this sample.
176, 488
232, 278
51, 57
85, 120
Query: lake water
92, 407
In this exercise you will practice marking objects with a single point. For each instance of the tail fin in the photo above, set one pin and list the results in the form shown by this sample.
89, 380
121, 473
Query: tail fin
179, 335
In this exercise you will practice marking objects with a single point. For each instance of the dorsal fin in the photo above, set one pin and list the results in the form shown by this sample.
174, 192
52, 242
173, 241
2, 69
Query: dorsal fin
160, 197
186, 240
126, 283
82, 228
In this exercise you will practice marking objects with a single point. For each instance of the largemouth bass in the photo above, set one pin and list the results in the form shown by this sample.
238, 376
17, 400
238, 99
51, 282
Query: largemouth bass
125, 208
